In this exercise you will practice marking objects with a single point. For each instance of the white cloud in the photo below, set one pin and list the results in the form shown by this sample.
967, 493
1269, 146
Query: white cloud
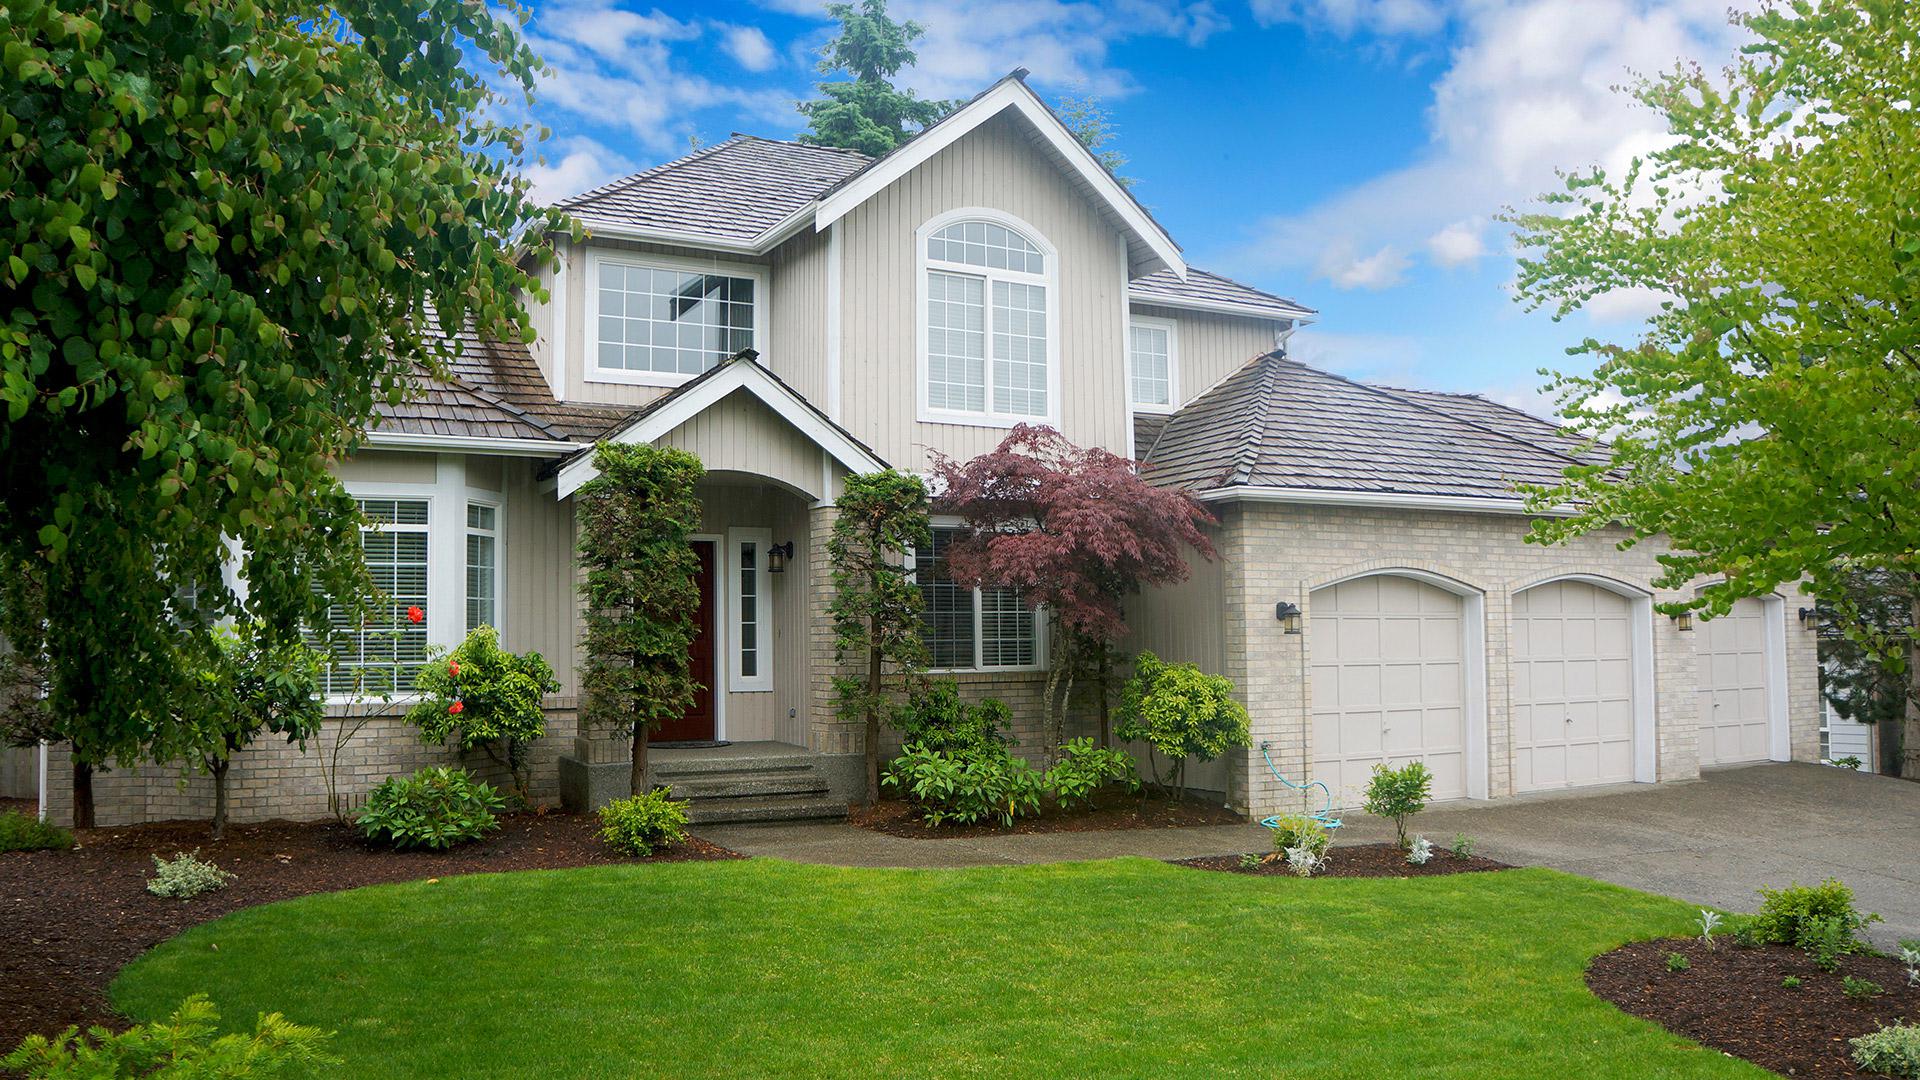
748, 47
1529, 88
1381, 269
574, 165
1390, 359
1457, 244
1629, 305
1344, 17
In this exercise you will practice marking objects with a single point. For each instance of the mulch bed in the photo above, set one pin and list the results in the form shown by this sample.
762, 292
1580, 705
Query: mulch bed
1110, 810
69, 920
1354, 860
1731, 999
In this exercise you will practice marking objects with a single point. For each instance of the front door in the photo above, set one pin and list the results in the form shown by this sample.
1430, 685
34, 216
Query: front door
698, 722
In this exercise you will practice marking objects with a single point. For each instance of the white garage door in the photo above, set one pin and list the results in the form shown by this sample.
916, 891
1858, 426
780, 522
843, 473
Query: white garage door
1389, 684
1733, 684
1572, 687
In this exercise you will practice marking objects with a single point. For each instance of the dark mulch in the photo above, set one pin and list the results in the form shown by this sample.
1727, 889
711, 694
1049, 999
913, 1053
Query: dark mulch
1110, 810
1731, 999
69, 920
1354, 860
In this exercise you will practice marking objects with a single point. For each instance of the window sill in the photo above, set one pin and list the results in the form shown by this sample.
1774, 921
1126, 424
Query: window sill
960, 419
623, 377
984, 673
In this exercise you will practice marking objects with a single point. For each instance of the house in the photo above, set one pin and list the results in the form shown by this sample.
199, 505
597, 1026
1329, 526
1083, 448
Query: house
793, 314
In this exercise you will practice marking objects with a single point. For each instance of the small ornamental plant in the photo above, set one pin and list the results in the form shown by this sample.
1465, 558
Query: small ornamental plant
186, 876
436, 808
1398, 794
641, 824
1420, 852
1677, 963
1893, 1050
187, 1044
1709, 921
1300, 831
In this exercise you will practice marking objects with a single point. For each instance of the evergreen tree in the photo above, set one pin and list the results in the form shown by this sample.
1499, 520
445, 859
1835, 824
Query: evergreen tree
868, 112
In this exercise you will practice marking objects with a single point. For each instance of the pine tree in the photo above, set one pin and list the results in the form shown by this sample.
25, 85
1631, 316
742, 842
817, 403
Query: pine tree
868, 113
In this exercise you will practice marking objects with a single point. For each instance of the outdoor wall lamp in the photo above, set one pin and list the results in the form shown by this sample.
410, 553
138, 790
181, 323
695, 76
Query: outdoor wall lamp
1806, 617
1683, 621
777, 556
1289, 616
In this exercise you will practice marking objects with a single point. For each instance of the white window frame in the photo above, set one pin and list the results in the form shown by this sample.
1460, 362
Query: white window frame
1041, 625
1172, 328
762, 682
436, 574
591, 343
492, 501
1049, 281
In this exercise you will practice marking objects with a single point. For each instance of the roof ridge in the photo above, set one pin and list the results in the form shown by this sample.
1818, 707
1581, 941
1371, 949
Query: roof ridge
846, 150
1247, 454
700, 154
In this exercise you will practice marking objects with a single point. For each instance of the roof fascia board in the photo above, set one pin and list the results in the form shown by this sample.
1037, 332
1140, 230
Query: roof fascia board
479, 444
1221, 306
1010, 93
739, 376
1395, 500
780, 232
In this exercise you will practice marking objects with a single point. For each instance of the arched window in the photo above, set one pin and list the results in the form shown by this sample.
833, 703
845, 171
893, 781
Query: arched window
988, 352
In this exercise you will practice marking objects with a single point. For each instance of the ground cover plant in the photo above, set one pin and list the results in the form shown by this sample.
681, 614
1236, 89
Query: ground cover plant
186, 876
185, 1044
25, 832
1074, 969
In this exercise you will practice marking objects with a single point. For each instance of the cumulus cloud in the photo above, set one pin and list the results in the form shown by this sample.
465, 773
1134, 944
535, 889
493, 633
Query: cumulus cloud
1457, 244
573, 165
1529, 88
1390, 359
1345, 17
749, 47
1381, 269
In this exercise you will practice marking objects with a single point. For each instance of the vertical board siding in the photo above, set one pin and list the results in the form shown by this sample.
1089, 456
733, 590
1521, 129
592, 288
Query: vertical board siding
542, 603
738, 434
1212, 346
1185, 623
994, 167
763, 715
796, 345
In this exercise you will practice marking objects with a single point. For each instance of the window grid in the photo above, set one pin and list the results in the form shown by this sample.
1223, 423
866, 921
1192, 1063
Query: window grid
749, 590
987, 349
383, 654
956, 342
1019, 349
1151, 355
971, 629
671, 322
982, 243
483, 566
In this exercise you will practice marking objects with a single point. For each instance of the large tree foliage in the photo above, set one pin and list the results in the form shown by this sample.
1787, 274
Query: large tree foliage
880, 518
1768, 421
1087, 117
642, 588
1861, 687
868, 112
256, 683
1076, 531
232, 228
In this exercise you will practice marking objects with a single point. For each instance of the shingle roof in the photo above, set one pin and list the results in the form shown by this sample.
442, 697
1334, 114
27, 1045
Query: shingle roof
451, 407
1508, 420
733, 190
1208, 289
1278, 423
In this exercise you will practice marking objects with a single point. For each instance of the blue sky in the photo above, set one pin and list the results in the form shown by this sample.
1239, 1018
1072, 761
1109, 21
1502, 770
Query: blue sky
1348, 154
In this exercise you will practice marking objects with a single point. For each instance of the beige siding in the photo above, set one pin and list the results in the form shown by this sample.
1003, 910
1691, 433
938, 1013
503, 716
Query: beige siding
1213, 346
386, 467
764, 715
1184, 623
541, 602
995, 167
796, 345
741, 435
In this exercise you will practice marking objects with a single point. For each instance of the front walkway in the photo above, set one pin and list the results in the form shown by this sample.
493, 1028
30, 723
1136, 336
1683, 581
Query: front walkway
1712, 842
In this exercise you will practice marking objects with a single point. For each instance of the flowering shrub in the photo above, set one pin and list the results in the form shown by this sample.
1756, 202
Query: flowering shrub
482, 697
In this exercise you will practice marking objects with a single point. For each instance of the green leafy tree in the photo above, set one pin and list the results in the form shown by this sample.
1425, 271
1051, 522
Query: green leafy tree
1087, 117
253, 683
868, 112
233, 228
482, 697
1861, 687
876, 605
642, 590
1182, 713
1766, 419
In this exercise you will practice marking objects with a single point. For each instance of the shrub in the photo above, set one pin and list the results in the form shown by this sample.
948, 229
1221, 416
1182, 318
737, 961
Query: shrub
935, 718
1782, 911
1746, 932
436, 807
966, 787
1398, 794
1709, 921
1084, 769
1791, 982
1420, 852
1463, 845
1181, 712
482, 697
1301, 831
183, 1046
24, 832
1849, 762
1825, 939
1677, 963
1303, 861
1892, 1050
1861, 989
186, 876
1251, 861
640, 823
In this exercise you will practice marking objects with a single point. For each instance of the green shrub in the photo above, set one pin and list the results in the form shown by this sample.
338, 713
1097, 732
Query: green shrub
935, 718
436, 807
1398, 794
1783, 911
1825, 939
966, 787
1677, 963
482, 697
1084, 769
1894, 1051
639, 824
1463, 845
1861, 989
186, 876
185, 1046
24, 832
1182, 712
1301, 831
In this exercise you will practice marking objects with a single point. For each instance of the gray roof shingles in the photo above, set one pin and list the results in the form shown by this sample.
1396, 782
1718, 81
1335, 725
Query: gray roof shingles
1205, 288
734, 190
1278, 423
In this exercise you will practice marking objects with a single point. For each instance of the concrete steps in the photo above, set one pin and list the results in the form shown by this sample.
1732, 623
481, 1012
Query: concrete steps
745, 785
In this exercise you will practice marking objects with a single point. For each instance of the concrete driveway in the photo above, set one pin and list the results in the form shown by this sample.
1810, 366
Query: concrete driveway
1712, 842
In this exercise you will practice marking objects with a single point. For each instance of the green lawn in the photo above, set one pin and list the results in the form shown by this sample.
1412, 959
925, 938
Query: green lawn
1119, 968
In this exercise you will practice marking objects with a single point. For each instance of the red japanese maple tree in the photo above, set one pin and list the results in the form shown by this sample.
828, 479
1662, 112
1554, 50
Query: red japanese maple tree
1075, 529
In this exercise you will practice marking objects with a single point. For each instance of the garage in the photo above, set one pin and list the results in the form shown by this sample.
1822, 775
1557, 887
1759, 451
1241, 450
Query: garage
1735, 699
1573, 687
1389, 683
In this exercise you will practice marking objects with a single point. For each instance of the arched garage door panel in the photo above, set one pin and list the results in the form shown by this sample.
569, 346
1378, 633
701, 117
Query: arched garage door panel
1733, 684
1389, 683
1572, 687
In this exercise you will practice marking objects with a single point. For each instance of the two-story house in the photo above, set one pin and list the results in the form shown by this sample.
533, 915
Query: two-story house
1374, 597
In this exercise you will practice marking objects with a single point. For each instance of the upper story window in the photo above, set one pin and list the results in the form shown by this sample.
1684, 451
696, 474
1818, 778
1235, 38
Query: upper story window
483, 565
988, 324
1152, 364
662, 323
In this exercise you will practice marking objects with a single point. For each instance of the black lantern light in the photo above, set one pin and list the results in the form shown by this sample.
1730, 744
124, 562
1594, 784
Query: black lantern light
1289, 616
777, 556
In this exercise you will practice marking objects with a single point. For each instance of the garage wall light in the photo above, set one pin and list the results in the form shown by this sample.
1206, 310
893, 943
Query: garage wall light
1683, 621
1289, 616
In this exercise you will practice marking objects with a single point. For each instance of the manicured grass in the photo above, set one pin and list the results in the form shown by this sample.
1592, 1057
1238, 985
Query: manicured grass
766, 968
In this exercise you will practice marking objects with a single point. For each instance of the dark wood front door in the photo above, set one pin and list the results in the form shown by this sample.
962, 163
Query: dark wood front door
698, 722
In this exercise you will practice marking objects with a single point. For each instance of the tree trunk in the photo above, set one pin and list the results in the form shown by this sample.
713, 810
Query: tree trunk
637, 780
874, 675
219, 770
82, 794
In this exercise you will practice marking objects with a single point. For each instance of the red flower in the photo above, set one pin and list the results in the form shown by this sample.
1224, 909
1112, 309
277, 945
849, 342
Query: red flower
457, 707
453, 668
414, 614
